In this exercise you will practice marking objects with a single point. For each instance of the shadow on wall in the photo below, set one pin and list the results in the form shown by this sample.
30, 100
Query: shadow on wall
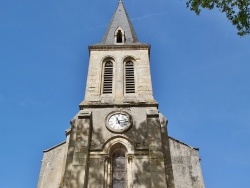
83, 170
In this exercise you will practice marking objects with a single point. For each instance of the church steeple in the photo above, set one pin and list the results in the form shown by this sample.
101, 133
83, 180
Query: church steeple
119, 138
119, 70
120, 29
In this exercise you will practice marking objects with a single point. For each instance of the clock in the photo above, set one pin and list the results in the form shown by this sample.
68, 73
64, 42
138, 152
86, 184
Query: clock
118, 122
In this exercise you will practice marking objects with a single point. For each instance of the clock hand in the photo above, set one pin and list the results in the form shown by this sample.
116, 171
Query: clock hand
117, 120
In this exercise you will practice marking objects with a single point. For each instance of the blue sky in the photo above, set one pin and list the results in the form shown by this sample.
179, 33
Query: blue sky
200, 71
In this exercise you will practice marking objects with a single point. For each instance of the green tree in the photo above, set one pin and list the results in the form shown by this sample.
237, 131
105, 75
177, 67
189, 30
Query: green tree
237, 11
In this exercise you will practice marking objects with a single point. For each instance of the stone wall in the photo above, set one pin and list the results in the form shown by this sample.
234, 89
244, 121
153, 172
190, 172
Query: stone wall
176, 165
138, 133
52, 168
186, 165
143, 85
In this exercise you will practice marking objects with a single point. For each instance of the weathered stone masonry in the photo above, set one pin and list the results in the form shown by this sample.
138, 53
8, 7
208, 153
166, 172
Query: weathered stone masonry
119, 138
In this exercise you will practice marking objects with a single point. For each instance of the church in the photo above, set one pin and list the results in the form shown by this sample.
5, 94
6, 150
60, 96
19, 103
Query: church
119, 139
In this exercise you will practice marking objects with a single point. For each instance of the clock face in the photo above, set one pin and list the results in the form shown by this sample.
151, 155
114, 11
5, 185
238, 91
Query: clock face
118, 122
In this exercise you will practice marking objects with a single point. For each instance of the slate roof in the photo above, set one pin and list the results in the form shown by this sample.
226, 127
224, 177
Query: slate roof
120, 18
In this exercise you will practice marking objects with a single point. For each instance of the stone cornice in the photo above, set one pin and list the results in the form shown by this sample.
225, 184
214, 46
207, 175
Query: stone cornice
119, 47
111, 105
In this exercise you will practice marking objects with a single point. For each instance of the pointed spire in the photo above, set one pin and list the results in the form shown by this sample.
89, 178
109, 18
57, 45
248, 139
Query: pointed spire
120, 22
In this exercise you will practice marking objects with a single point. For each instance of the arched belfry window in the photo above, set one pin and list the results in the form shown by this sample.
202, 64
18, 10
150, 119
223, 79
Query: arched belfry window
129, 77
107, 77
119, 36
119, 168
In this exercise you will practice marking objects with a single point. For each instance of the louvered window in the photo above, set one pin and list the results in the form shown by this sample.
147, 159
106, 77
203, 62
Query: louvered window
130, 77
108, 77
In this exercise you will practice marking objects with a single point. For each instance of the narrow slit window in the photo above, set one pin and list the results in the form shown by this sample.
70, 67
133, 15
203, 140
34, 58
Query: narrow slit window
119, 37
130, 77
108, 77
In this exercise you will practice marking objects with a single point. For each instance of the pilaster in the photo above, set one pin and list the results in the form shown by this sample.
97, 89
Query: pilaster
157, 168
76, 171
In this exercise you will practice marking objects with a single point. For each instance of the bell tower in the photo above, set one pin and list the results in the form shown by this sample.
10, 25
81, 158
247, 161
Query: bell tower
119, 139
119, 70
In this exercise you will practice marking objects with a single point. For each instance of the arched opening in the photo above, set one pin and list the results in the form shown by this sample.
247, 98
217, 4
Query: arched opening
119, 36
107, 77
119, 168
118, 162
129, 77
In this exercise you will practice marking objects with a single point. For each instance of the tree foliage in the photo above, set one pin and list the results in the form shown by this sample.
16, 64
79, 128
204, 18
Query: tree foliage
237, 11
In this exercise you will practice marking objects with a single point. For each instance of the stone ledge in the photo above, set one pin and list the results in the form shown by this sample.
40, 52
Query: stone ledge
119, 47
98, 104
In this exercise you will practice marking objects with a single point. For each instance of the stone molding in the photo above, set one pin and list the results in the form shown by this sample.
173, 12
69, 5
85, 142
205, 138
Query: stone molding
120, 47
98, 104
